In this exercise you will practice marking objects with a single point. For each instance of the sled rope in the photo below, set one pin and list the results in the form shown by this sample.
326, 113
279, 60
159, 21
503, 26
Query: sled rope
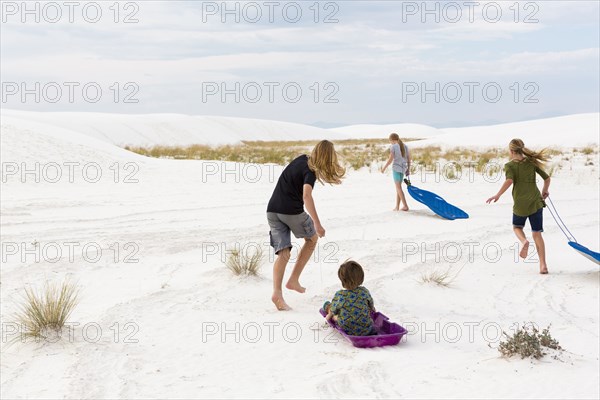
559, 221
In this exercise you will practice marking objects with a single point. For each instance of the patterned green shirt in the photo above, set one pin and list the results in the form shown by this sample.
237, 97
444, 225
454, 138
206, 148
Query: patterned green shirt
353, 310
526, 194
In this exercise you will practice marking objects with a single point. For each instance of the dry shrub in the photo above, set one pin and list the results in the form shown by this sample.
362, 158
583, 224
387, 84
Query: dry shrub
527, 341
587, 151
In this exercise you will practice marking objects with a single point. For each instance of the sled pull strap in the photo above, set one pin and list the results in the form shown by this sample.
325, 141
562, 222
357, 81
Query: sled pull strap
559, 221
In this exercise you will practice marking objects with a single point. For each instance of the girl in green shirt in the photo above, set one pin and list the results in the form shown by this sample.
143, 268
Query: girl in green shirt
528, 201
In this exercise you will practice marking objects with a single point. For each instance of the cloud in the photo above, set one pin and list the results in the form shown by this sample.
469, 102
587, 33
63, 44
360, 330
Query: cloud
172, 51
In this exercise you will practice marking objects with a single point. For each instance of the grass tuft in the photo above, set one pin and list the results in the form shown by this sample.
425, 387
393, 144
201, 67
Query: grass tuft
440, 277
243, 263
43, 313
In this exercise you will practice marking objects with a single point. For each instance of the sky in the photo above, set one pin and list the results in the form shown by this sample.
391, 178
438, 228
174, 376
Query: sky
328, 63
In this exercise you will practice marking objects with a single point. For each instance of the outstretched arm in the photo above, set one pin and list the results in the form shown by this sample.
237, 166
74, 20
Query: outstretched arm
309, 202
507, 183
389, 161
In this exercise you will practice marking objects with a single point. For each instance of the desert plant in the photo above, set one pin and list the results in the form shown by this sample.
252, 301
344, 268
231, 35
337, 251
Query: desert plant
550, 170
588, 150
241, 263
44, 313
527, 341
439, 277
554, 152
354, 153
493, 169
451, 170
427, 157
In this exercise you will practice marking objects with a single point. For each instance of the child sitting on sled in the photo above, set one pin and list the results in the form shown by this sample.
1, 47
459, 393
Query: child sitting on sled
351, 307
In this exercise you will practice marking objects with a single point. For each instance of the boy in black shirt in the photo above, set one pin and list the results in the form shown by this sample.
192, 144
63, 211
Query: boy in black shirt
286, 215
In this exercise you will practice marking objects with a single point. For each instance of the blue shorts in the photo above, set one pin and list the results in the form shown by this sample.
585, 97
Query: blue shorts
536, 220
398, 176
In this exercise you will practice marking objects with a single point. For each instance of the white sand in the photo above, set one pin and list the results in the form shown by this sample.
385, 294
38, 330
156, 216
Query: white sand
178, 129
560, 132
179, 289
373, 131
173, 129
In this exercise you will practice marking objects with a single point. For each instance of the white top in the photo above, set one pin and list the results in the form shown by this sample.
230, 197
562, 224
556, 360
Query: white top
400, 163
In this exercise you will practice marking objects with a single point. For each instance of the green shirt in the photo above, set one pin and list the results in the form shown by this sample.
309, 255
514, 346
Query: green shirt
353, 309
525, 192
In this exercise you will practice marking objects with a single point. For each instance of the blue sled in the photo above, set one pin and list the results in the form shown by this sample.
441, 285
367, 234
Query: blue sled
438, 205
587, 253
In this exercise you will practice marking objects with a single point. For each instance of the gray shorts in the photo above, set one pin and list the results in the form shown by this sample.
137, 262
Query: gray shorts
282, 224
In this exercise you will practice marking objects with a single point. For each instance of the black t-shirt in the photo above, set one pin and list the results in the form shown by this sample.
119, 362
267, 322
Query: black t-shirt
287, 196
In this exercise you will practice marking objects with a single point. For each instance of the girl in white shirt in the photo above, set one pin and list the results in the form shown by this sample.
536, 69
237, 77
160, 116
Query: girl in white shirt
401, 168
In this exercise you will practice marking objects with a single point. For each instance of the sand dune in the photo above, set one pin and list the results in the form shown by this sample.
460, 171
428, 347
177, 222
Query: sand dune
370, 131
177, 322
176, 129
173, 129
561, 132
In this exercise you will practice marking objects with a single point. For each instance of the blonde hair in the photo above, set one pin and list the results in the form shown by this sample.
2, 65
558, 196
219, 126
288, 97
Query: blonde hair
323, 161
394, 136
537, 158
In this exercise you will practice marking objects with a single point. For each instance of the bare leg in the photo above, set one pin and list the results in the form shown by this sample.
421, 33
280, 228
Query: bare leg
278, 270
305, 252
541, 250
398, 198
401, 195
524, 242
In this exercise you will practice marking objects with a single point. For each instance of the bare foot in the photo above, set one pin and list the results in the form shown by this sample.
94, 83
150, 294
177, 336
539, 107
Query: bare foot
395, 209
524, 249
543, 270
281, 305
405, 208
295, 286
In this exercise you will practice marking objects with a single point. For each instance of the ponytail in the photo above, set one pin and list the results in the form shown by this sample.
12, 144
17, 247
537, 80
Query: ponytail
394, 136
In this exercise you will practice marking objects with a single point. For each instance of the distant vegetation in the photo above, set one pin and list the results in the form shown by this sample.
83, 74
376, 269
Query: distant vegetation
355, 153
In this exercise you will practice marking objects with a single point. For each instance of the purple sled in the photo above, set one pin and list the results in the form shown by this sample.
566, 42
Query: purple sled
388, 333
